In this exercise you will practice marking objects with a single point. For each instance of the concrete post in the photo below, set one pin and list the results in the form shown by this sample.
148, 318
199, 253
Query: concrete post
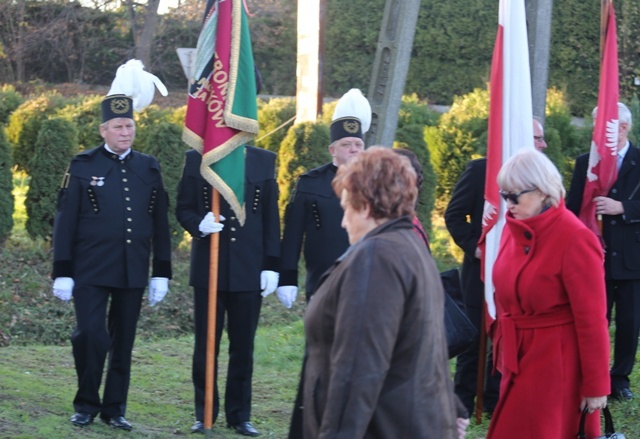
539, 34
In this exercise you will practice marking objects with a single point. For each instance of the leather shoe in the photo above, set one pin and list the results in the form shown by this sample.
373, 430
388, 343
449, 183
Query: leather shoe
198, 427
244, 428
118, 422
622, 394
81, 419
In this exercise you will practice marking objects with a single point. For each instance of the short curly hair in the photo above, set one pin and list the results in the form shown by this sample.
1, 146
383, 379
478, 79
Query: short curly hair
381, 179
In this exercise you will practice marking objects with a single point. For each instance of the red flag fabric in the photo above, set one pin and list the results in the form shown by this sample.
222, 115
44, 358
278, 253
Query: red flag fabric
602, 170
222, 109
510, 125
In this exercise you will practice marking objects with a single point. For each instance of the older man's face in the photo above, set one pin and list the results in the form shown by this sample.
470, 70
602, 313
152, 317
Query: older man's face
119, 134
538, 137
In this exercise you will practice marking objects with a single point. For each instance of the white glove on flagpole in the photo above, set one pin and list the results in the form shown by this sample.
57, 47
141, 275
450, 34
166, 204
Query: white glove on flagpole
287, 295
268, 282
158, 288
208, 225
63, 287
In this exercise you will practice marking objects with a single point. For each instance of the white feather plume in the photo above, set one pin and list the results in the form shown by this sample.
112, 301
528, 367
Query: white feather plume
354, 104
133, 81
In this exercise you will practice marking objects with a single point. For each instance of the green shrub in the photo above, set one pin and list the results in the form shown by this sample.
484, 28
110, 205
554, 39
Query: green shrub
165, 143
146, 123
272, 117
24, 126
86, 115
411, 137
10, 99
6, 188
54, 147
305, 147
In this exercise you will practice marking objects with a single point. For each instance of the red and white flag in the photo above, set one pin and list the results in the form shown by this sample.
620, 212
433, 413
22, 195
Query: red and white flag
602, 171
510, 125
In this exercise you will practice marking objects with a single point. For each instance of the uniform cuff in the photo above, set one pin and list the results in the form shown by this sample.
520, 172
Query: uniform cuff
161, 269
289, 277
62, 269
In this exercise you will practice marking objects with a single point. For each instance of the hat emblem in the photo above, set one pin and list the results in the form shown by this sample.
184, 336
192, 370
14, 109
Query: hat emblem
120, 106
351, 126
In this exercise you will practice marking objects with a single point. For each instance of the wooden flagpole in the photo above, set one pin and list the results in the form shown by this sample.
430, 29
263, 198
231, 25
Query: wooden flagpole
211, 319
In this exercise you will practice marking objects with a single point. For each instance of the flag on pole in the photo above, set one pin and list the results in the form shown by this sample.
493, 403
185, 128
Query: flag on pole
222, 113
510, 125
602, 171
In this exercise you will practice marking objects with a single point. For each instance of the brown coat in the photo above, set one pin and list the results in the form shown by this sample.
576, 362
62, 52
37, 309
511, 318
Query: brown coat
377, 364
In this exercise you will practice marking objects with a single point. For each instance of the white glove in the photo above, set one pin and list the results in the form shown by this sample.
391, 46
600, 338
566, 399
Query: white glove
158, 288
63, 287
268, 282
208, 225
287, 295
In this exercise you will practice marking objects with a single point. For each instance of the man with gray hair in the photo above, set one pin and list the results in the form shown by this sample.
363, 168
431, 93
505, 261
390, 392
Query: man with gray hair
620, 211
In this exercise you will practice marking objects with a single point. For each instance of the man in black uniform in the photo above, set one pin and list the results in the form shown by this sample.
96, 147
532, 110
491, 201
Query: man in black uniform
112, 210
247, 266
463, 218
620, 211
314, 215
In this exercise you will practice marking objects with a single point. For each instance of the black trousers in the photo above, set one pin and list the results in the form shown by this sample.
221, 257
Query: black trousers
242, 310
466, 376
625, 295
97, 334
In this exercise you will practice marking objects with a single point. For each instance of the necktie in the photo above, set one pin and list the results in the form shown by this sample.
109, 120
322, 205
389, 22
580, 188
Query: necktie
620, 158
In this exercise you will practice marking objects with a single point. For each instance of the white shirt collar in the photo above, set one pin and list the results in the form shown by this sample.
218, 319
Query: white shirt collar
120, 156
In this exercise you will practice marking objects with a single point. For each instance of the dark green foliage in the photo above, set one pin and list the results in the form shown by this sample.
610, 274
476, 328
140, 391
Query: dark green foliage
85, 114
24, 126
146, 123
6, 188
411, 137
165, 143
304, 148
574, 62
628, 16
10, 99
459, 137
55, 145
350, 45
416, 112
452, 48
273, 115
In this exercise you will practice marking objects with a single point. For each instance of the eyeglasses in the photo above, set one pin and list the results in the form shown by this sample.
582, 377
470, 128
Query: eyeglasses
509, 196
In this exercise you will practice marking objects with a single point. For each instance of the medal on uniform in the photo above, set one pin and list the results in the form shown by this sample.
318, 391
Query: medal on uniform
97, 181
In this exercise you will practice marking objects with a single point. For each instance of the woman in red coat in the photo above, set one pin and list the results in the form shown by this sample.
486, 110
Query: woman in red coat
551, 339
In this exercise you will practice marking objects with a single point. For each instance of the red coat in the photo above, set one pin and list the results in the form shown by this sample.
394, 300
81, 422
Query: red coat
552, 341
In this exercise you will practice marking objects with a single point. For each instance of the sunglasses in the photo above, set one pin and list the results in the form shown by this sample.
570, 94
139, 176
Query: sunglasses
508, 196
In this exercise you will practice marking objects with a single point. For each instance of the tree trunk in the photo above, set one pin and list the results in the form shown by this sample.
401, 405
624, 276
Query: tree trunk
143, 43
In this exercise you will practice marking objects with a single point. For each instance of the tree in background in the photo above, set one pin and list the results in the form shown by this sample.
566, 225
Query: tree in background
6, 188
272, 116
452, 48
55, 146
24, 126
303, 148
165, 143
10, 99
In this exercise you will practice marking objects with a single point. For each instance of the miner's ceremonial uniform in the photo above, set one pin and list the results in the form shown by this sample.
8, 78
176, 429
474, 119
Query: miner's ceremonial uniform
112, 215
245, 253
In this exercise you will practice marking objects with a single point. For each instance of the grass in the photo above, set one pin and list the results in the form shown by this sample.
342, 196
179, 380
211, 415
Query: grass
38, 378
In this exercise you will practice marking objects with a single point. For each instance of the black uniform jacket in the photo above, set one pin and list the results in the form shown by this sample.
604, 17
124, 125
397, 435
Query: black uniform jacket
244, 250
463, 218
313, 216
621, 233
111, 213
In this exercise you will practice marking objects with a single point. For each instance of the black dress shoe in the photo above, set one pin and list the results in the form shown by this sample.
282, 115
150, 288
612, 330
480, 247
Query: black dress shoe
244, 428
623, 394
197, 427
118, 422
81, 419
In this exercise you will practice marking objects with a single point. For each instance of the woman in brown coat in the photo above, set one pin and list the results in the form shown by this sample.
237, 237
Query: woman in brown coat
377, 365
